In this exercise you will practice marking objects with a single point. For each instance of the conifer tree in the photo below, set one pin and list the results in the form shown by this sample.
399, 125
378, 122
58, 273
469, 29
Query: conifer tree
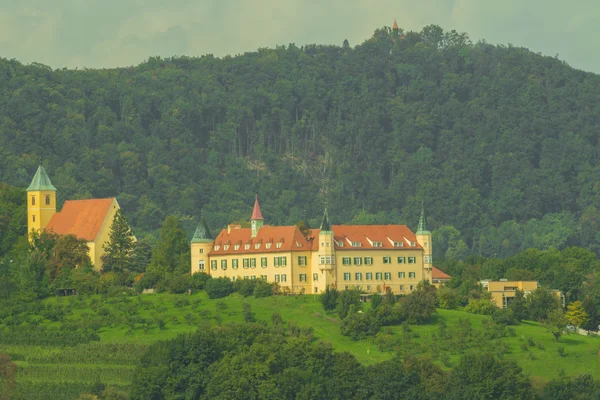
172, 252
119, 247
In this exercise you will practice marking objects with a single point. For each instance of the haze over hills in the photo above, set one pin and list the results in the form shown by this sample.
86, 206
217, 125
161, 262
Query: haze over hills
501, 144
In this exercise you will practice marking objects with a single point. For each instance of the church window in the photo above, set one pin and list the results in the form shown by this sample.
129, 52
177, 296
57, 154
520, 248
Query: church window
33, 217
47, 200
33, 200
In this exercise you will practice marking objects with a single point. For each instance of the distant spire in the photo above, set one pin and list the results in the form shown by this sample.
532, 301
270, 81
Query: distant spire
325, 224
395, 26
305, 219
202, 234
256, 214
41, 181
422, 228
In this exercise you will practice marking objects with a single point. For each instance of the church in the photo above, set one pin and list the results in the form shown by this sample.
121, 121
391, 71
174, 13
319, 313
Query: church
90, 219
371, 258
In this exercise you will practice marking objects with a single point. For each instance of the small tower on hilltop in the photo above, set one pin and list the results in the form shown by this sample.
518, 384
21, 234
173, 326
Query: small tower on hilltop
424, 239
256, 220
41, 201
326, 247
395, 29
200, 246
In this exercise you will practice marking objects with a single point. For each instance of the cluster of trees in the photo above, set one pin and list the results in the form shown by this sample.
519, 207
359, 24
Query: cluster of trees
416, 308
252, 361
500, 143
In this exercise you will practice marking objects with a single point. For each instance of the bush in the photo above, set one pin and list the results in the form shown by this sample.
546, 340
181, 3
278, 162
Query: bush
448, 299
504, 316
481, 306
346, 300
245, 287
419, 306
217, 288
561, 351
263, 289
376, 300
247, 313
329, 298
358, 325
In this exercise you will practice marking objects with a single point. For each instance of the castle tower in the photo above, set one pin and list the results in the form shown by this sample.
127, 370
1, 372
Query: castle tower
41, 201
256, 220
326, 243
424, 239
200, 246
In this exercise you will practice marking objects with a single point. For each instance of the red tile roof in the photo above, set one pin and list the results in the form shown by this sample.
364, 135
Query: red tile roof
387, 235
290, 237
82, 218
256, 214
439, 274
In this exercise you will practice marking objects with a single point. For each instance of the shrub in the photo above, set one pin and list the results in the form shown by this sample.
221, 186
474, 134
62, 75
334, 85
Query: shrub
329, 298
504, 316
217, 288
263, 289
247, 313
376, 300
245, 287
481, 306
530, 341
448, 299
346, 300
358, 325
561, 351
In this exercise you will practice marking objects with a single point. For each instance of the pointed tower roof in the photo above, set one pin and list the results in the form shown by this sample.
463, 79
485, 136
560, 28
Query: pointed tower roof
395, 26
256, 214
325, 224
41, 181
202, 234
422, 228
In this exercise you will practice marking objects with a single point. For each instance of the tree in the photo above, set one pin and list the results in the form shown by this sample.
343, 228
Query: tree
540, 303
119, 248
419, 305
141, 255
555, 323
518, 305
329, 298
347, 299
217, 288
172, 252
576, 315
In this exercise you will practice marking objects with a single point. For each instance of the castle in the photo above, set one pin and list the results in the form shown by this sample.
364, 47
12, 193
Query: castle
90, 220
372, 258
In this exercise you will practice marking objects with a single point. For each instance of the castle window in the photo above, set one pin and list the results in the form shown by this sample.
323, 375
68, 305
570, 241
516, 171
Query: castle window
346, 276
277, 278
263, 262
223, 264
368, 260
283, 278
401, 287
257, 246
201, 251
47, 200
302, 277
378, 276
358, 276
426, 259
412, 244
346, 261
253, 277
401, 275
213, 264
315, 277
33, 200
401, 260
217, 247
226, 247
411, 287
412, 260
388, 276
412, 274
201, 265
263, 277
369, 276
246, 262
253, 263
302, 261
387, 260
234, 264
357, 261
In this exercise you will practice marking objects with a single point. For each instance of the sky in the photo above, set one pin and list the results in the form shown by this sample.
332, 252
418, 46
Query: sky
118, 33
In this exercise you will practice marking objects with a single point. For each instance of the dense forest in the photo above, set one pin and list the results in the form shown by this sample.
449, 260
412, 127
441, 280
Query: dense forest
500, 144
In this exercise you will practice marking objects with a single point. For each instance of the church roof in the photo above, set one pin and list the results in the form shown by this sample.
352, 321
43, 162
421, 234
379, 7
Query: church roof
422, 228
395, 26
202, 234
256, 214
41, 181
325, 224
82, 218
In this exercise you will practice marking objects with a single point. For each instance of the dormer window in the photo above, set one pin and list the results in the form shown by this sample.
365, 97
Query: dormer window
257, 246
356, 244
279, 245
298, 244
412, 244
398, 244
268, 245
377, 244
217, 247
236, 247
226, 247
247, 246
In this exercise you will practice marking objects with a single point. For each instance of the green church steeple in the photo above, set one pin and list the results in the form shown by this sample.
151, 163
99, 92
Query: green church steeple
41, 181
202, 234
325, 224
422, 228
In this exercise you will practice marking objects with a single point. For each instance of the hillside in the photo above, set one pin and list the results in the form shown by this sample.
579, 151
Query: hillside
500, 143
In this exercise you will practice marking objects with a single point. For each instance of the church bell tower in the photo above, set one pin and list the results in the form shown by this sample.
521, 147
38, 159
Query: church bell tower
41, 201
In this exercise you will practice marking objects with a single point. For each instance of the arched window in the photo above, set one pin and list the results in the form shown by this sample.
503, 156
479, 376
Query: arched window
47, 200
33, 200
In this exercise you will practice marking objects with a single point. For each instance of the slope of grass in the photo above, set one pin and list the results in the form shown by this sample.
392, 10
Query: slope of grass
130, 324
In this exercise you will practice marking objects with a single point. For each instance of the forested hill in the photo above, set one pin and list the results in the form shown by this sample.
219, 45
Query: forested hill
500, 143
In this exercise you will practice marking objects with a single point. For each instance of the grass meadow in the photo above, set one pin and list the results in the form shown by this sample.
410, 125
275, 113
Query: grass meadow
127, 325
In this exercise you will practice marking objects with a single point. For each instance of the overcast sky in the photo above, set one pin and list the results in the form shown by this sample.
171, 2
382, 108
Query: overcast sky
110, 33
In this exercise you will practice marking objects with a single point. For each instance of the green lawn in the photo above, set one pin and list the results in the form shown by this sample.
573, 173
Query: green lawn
130, 325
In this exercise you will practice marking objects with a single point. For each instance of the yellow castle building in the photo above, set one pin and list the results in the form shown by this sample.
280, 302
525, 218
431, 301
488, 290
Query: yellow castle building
90, 219
372, 258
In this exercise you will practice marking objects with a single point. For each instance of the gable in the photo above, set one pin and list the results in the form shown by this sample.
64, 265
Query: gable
82, 218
